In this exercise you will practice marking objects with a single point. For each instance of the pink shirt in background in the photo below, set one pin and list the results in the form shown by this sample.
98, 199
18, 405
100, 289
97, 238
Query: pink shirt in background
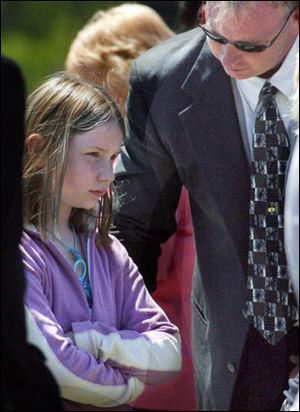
173, 294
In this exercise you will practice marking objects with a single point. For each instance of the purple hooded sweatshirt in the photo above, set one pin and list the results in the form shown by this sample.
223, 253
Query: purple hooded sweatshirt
103, 356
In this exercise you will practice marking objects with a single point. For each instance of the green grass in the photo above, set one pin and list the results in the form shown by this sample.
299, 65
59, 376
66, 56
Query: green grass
38, 34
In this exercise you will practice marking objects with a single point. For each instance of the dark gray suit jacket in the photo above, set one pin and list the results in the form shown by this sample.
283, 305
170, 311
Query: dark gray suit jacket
183, 130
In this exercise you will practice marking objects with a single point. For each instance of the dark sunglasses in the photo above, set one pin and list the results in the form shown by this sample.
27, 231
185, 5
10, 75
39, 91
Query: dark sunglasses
246, 47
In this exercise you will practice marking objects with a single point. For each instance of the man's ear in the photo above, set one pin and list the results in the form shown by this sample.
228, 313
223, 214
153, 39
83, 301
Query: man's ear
202, 13
33, 143
296, 16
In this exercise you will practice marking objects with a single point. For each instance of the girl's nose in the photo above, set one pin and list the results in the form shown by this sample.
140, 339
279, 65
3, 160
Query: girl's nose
106, 173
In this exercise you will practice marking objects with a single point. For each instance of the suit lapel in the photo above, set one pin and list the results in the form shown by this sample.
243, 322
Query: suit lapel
211, 124
212, 110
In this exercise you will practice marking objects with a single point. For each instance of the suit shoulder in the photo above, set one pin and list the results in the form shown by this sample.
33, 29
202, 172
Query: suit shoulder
170, 56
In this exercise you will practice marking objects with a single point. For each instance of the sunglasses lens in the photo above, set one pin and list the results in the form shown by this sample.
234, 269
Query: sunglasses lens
243, 47
220, 40
250, 49
217, 38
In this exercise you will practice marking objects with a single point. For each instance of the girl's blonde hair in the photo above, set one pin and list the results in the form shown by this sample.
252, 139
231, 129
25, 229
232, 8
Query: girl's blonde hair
62, 106
104, 49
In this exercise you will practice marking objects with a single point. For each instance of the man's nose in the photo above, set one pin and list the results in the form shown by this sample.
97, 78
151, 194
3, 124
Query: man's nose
229, 55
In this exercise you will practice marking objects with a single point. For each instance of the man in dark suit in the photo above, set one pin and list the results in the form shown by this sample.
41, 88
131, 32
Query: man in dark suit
26, 383
191, 114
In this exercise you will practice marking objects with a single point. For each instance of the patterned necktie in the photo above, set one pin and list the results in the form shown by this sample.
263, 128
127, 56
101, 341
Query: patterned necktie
271, 304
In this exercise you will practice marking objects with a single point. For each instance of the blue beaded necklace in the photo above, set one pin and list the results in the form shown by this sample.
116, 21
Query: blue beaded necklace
79, 265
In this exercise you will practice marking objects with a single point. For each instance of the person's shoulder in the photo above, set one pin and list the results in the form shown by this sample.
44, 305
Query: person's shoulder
11, 75
115, 249
32, 247
115, 254
12, 104
9, 66
175, 47
180, 51
30, 235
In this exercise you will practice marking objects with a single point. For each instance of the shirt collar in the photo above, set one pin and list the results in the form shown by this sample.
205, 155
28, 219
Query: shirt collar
283, 79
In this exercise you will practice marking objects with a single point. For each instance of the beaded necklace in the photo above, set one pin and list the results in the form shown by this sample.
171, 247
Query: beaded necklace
79, 263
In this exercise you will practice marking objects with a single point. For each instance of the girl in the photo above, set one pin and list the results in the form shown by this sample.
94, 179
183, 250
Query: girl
86, 305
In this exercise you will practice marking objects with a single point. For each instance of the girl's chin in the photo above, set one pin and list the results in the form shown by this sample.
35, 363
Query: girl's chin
86, 207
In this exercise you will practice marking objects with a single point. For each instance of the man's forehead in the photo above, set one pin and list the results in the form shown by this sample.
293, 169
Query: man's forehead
225, 9
251, 14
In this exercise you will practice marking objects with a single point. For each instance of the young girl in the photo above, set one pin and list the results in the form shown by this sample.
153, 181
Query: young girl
86, 305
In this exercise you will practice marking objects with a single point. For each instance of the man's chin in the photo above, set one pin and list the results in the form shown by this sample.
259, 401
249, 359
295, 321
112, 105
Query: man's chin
238, 74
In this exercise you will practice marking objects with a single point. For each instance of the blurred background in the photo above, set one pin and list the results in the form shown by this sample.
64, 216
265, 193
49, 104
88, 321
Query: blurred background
37, 34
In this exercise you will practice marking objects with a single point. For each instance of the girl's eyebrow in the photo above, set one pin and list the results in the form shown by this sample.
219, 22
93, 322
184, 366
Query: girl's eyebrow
100, 149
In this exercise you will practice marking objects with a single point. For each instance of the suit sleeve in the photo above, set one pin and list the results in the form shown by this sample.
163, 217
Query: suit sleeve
147, 182
81, 377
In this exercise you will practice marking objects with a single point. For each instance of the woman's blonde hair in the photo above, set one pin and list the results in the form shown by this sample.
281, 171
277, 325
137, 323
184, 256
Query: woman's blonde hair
62, 106
102, 52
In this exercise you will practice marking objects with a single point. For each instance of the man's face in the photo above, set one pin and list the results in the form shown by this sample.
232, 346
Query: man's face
258, 25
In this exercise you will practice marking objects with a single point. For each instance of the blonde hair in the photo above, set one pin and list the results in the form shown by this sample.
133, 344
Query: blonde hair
104, 49
61, 107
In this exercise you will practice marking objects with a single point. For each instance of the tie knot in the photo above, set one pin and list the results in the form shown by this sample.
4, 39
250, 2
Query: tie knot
268, 90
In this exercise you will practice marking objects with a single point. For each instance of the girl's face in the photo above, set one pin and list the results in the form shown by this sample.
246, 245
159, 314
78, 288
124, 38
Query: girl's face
89, 170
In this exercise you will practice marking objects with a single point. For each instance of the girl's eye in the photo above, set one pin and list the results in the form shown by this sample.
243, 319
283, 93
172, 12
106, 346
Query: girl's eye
95, 154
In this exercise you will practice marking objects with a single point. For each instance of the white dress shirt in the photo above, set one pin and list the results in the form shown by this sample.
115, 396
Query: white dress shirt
246, 93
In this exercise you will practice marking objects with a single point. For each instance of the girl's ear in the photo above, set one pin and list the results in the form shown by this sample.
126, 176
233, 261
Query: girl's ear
33, 143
